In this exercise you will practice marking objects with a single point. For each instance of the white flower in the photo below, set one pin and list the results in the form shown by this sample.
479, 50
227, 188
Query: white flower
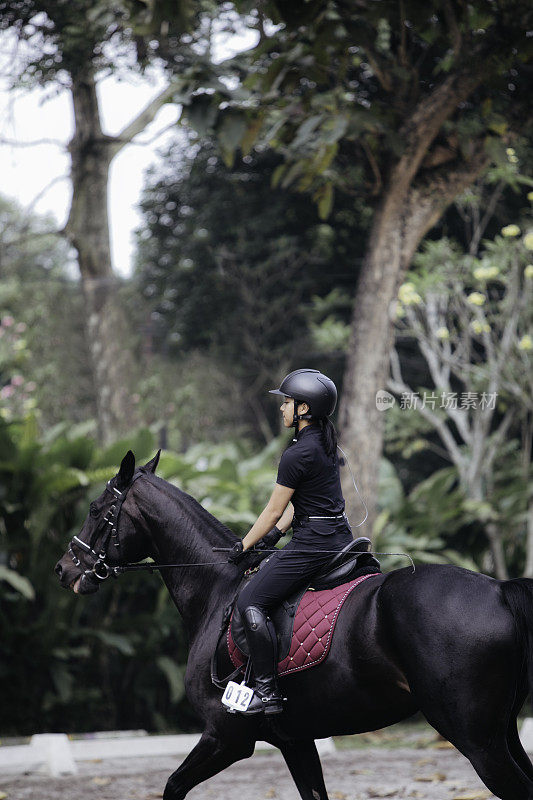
511, 230
525, 343
485, 273
442, 333
528, 240
480, 327
408, 295
476, 298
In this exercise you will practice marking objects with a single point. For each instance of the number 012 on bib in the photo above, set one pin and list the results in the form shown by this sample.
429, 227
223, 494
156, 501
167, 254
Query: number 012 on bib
237, 696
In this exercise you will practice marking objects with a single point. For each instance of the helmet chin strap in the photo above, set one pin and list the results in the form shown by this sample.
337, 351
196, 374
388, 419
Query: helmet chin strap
297, 417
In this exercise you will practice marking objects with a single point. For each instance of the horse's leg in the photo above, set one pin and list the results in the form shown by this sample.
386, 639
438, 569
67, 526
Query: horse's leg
479, 723
517, 751
500, 772
304, 765
486, 747
513, 740
210, 756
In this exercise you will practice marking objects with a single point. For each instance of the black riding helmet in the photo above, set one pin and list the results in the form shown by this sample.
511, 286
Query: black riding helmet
312, 387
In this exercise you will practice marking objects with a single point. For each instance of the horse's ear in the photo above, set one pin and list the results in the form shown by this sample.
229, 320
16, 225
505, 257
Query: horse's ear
127, 468
151, 466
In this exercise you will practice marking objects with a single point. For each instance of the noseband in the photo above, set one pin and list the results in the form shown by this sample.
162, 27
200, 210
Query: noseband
101, 570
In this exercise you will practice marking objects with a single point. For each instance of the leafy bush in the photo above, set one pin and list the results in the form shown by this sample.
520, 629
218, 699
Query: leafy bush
114, 659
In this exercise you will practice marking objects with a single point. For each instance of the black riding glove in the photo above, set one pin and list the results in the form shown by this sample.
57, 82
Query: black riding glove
268, 542
270, 539
236, 553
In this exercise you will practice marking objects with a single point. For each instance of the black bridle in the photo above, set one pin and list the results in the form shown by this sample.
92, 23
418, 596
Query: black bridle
109, 526
101, 570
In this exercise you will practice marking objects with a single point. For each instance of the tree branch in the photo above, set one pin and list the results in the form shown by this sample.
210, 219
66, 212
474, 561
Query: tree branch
433, 191
43, 191
479, 229
453, 27
498, 437
374, 165
427, 119
142, 120
396, 384
384, 79
156, 136
403, 49
27, 237
432, 356
17, 143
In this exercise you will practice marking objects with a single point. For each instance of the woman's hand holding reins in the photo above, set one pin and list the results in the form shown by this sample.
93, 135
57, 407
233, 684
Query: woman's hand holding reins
237, 553
268, 542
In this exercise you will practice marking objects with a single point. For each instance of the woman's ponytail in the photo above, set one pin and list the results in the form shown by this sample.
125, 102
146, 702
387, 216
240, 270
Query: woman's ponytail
329, 436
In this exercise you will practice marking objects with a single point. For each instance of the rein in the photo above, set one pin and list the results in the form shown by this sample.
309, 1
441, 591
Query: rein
101, 570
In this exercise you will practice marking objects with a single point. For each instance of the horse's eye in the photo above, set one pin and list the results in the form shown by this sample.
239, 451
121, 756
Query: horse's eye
93, 510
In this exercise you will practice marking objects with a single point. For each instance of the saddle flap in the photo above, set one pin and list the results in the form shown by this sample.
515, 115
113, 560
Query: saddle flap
346, 565
312, 628
283, 618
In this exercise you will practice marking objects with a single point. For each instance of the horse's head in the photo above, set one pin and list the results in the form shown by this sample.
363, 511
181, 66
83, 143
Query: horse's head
108, 537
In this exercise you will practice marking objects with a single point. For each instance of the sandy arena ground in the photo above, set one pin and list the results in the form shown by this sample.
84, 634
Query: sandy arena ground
434, 772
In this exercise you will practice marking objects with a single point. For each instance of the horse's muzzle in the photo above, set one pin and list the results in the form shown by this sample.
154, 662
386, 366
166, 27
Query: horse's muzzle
71, 578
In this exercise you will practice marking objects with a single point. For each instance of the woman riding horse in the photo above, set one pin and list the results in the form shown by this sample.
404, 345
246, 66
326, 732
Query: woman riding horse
308, 476
450, 643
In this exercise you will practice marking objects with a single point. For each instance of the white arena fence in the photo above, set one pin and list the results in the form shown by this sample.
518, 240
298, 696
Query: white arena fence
56, 754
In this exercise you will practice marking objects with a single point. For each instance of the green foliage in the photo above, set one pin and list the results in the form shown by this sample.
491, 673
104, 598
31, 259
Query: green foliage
115, 659
428, 523
333, 88
231, 267
232, 484
62, 41
44, 364
58, 652
437, 522
464, 308
471, 318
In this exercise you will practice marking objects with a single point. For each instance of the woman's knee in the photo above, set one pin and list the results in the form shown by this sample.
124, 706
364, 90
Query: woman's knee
246, 598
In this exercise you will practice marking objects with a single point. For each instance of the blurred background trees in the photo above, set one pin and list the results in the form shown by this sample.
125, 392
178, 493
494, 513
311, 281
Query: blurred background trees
402, 105
352, 193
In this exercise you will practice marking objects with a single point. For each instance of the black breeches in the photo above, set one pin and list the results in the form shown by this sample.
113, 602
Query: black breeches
286, 571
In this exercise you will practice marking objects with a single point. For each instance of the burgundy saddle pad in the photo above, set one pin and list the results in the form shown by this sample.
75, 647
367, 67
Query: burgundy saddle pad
314, 624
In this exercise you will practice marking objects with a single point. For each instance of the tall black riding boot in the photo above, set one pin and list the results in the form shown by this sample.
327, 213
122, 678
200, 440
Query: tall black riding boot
262, 647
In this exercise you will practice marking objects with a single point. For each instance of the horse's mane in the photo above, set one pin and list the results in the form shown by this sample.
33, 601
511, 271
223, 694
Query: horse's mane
193, 507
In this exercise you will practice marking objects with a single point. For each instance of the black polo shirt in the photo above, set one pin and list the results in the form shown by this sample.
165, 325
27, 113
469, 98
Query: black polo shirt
305, 467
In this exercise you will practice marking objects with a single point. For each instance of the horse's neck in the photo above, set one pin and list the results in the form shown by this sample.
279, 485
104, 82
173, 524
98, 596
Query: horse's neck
182, 534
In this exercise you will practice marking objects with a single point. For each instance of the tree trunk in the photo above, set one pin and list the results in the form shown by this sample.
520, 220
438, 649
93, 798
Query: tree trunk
497, 552
109, 339
404, 217
528, 570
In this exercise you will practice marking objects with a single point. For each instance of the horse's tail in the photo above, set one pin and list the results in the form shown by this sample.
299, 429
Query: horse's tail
518, 597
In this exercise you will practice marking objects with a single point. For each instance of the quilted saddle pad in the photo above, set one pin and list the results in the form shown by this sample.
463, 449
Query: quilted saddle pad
314, 624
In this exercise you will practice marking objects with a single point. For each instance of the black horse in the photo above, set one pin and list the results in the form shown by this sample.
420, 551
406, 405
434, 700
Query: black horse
442, 640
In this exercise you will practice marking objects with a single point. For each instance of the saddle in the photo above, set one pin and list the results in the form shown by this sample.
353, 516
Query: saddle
353, 561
